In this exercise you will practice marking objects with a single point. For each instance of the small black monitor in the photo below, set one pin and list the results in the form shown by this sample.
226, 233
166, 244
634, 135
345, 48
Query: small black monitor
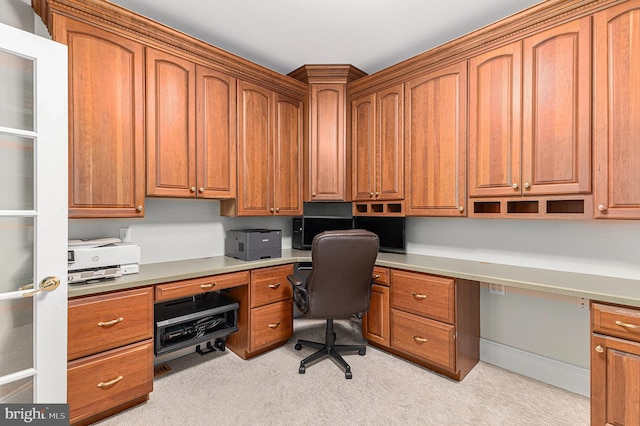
390, 231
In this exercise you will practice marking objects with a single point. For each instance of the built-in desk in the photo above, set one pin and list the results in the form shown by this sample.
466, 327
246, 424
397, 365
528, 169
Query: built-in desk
594, 287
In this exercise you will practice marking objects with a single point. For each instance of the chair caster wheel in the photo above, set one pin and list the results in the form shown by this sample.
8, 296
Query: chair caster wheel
348, 375
362, 352
301, 369
298, 346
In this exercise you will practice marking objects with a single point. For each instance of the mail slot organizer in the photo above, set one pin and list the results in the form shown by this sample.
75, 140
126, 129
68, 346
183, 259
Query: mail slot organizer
181, 323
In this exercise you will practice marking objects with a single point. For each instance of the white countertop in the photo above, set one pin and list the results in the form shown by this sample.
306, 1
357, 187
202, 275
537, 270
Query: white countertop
595, 287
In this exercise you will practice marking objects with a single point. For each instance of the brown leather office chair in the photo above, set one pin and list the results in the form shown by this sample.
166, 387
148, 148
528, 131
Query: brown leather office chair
338, 286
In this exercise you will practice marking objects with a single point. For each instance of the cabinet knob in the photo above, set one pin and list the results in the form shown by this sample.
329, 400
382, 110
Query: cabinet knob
277, 209
271, 209
377, 193
371, 194
313, 194
201, 189
515, 185
461, 209
599, 349
193, 189
527, 186
139, 209
602, 207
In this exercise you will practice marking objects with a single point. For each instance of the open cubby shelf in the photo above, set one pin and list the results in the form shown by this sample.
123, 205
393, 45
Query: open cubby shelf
578, 207
378, 208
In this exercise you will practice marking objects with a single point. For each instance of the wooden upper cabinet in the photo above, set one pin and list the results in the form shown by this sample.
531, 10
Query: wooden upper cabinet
328, 142
556, 110
617, 112
378, 145
436, 117
554, 155
269, 154
191, 129
171, 125
215, 134
106, 130
287, 156
494, 121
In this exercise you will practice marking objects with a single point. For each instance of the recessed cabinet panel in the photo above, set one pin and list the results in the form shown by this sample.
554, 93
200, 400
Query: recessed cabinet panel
363, 136
390, 146
287, 156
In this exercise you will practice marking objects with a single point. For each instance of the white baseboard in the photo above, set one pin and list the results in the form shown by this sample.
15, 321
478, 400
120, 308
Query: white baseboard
557, 373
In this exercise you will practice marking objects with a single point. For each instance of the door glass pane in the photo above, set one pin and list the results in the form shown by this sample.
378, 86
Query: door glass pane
19, 392
16, 87
16, 172
16, 335
16, 252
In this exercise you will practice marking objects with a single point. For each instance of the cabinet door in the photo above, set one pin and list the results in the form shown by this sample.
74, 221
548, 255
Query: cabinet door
363, 137
556, 119
255, 127
494, 122
171, 125
389, 144
328, 150
615, 381
436, 142
216, 134
617, 112
106, 127
287, 156
375, 322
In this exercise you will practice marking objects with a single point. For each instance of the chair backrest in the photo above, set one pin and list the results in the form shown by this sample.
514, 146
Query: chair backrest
340, 282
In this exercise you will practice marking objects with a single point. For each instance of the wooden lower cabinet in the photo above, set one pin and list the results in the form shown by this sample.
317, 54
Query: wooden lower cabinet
110, 353
615, 365
433, 321
265, 318
375, 322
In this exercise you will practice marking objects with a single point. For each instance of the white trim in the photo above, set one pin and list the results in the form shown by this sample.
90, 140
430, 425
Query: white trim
548, 370
18, 375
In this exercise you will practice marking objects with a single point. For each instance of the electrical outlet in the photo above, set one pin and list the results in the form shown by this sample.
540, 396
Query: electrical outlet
497, 289
125, 235
582, 303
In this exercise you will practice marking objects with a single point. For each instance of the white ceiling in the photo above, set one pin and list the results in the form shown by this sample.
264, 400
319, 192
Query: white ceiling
285, 34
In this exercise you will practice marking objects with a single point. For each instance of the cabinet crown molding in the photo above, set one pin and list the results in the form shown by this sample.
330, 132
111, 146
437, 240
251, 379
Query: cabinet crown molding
318, 73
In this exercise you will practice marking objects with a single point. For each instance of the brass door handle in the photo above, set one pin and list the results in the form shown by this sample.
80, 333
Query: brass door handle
419, 296
47, 284
419, 339
274, 286
111, 382
112, 322
276, 325
599, 349
206, 286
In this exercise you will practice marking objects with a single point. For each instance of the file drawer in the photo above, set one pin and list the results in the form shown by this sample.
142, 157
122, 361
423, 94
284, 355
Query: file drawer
422, 294
270, 285
102, 381
271, 324
431, 340
98, 323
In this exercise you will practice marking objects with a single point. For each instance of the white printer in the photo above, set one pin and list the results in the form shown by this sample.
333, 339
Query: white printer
89, 260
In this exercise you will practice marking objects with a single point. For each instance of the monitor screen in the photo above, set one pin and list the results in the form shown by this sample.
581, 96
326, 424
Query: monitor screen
316, 225
390, 231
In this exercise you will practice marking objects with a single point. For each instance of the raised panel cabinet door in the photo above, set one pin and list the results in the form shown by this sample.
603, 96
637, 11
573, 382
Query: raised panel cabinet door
106, 121
494, 122
363, 152
287, 155
328, 150
255, 128
436, 117
556, 119
389, 136
617, 112
215, 134
615, 381
171, 125
375, 322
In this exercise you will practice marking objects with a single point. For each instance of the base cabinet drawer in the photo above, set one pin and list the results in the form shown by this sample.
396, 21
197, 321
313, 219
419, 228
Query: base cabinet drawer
422, 294
100, 382
431, 340
271, 324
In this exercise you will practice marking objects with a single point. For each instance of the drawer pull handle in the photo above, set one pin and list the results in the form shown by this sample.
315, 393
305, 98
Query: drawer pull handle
419, 296
108, 323
276, 325
112, 382
419, 339
274, 286
626, 325
599, 349
376, 276
205, 286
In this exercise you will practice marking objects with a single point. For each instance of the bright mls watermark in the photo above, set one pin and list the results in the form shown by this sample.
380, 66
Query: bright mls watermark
34, 414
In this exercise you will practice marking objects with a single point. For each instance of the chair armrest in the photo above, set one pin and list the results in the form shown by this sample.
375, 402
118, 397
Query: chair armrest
294, 280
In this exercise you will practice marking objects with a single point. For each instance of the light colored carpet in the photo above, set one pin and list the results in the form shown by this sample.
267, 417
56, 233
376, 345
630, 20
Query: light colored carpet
220, 388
